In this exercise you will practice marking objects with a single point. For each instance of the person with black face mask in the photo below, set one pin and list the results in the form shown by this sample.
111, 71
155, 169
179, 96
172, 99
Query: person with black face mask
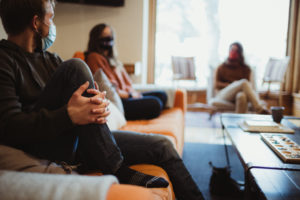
232, 83
101, 55
106, 42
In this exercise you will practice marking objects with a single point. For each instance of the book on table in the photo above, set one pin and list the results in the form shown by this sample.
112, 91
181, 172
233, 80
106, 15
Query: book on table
264, 126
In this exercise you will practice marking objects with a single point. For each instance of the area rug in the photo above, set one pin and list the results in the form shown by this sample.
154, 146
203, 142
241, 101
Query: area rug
196, 157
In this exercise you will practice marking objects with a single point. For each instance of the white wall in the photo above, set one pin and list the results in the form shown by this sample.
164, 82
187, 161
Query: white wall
74, 22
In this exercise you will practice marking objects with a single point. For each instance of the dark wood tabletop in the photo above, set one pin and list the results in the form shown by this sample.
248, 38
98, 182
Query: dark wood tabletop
265, 172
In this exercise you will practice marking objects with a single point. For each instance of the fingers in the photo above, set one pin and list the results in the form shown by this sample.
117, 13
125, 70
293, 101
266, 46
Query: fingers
101, 120
96, 85
97, 92
99, 101
82, 88
93, 91
98, 110
102, 112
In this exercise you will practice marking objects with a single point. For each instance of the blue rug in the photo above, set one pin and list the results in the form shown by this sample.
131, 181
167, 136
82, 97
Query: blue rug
196, 157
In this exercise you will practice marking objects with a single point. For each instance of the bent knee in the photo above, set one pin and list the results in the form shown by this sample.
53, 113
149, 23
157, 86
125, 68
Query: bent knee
155, 106
244, 81
78, 65
163, 142
241, 96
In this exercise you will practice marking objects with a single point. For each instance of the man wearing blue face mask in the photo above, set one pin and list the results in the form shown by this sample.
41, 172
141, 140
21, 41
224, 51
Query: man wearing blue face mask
52, 110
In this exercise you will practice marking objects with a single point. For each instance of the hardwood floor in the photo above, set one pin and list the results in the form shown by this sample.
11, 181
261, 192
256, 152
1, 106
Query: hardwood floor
200, 129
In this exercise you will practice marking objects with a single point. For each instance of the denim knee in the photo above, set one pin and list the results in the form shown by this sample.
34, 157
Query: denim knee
79, 66
164, 148
156, 106
163, 96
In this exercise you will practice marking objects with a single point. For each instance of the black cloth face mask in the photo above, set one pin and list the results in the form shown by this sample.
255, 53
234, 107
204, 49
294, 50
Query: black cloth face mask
106, 42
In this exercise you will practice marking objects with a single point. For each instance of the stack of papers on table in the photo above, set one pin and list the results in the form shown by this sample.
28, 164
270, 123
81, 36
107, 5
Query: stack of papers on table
264, 127
296, 122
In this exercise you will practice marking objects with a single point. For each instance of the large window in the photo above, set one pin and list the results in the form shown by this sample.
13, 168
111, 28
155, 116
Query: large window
204, 29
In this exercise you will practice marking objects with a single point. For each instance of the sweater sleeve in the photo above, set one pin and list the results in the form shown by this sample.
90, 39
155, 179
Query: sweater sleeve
127, 80
18, 126
96, 61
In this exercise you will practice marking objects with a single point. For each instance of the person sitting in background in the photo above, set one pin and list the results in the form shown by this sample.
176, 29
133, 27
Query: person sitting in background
101, 55
52, 110
232, 82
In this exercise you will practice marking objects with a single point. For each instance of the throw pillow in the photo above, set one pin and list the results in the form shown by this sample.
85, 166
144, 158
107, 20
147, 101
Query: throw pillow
111, 93
116, 119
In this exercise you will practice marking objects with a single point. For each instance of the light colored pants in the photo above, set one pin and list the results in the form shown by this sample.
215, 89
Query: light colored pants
240, 92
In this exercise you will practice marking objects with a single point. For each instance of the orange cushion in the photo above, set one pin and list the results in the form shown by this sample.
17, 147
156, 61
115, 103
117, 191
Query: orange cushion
156, 171
170, 123
79, 54
130, 192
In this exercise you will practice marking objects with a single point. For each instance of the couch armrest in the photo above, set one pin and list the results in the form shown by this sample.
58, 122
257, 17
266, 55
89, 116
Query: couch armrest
180, 100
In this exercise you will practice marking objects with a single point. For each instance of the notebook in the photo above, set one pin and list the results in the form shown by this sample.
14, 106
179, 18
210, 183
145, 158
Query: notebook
264, 127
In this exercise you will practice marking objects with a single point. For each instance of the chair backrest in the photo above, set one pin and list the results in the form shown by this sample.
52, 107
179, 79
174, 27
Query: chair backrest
275, 70
183, 68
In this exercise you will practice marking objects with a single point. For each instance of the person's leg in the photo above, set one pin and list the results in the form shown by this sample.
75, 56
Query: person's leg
229, 93
96, 143
252, 96
155, 149
241, 103
147, 107
160, 94
95, 146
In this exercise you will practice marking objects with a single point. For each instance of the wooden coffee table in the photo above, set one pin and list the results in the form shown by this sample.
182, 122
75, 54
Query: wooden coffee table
266, 175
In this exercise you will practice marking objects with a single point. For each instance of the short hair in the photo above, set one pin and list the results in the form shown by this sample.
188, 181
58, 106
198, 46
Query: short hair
16, 15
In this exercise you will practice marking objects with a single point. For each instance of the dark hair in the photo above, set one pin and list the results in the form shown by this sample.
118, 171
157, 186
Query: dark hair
95, 35
16, 15
240, 51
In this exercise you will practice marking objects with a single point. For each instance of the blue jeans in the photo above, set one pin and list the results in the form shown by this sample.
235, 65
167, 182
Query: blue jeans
147, 107
96, 148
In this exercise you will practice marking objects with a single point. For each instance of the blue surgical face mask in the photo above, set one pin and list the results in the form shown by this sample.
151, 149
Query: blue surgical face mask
49, 40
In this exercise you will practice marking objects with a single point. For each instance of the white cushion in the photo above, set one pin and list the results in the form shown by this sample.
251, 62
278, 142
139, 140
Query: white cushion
116, 119
105, 85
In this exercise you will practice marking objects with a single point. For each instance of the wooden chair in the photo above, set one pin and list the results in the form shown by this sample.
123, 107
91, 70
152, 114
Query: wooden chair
184, 68
274, 73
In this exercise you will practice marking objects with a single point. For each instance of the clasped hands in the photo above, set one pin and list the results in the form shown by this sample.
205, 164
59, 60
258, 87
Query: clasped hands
86, 110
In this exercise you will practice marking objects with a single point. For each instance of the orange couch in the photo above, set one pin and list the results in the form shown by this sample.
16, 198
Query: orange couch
161, 125
171, 124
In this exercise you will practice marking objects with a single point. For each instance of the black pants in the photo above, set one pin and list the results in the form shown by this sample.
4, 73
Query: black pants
97, 148
147, 107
